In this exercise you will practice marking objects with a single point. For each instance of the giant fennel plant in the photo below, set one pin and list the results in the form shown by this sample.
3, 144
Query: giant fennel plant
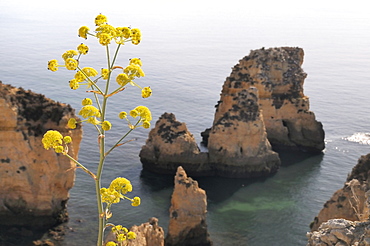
94, 112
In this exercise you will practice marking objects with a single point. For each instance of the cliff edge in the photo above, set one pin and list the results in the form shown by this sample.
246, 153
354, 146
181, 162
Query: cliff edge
34, 182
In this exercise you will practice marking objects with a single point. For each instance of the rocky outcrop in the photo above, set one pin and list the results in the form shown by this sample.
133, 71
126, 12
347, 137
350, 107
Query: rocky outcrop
237, 143
187, 226
352, 201
345, 220
340, 232
34, 182
148, 234
170, 145
279, 78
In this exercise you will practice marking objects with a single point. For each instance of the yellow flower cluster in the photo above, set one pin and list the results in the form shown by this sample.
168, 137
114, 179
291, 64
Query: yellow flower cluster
89, 111
54, 139
130, 72
146, 92
117, 190
144, 114
53, 65
105, 73
72, 123
69, 62
121, 233
110, 196
106, 33
121, 185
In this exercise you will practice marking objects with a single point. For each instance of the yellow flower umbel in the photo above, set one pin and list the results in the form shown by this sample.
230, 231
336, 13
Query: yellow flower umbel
106, 125
144, 114
100, 19
89, 111
121, 185
122, 234
105, 73
116, 191
110, 195
72, 123
83, 49
71, 64
54, 139
101, 86
111, 243
83, 31
53, 65
69, 54
146, 92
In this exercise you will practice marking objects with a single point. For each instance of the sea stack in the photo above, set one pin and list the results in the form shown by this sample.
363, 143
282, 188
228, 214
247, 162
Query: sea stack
187, 226
237, 143
279, 78
34, 182
170, 145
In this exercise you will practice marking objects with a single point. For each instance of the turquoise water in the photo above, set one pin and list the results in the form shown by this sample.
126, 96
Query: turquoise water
188, 50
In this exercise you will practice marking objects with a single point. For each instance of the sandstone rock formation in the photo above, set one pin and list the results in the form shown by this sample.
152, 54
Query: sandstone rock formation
340, 232
187, 226
148, 234
237, 143
279, 78
170, 145
352, 201
34, 182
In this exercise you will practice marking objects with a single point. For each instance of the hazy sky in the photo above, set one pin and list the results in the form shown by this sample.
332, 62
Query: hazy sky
173, 8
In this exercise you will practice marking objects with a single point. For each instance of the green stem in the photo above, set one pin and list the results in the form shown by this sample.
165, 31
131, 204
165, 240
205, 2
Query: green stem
97, 102
101, 162
82, 166
91, 81
123, 137
115, 55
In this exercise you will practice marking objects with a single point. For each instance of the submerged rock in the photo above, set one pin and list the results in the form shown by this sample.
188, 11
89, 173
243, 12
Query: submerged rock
187, 226
34, 182
279, 78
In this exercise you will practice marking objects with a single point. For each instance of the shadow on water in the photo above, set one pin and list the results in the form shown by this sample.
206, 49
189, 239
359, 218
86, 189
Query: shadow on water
15, 236
289, 158
155, 181
219, 189
212, 185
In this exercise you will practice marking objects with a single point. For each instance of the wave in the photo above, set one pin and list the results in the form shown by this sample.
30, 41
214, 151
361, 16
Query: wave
359, 137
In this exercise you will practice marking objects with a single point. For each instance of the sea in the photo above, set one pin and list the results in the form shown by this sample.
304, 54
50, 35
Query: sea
188, 49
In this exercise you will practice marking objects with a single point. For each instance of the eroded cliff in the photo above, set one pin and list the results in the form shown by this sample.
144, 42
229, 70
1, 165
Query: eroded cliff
34, 182
279, 78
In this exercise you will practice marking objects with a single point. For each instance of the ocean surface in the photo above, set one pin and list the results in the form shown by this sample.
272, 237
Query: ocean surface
188, 49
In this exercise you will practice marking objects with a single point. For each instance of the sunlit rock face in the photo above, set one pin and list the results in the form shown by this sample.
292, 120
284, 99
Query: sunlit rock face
34, 182
279, 78
147, 234
238, 147
187, 226
350, 202
337, 232
237, 143
169, 145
